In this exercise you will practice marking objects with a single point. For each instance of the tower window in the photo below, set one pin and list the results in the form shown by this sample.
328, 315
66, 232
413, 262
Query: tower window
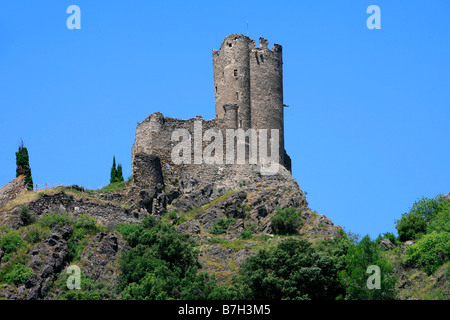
230, 45
237, 95
216, 89
235, 72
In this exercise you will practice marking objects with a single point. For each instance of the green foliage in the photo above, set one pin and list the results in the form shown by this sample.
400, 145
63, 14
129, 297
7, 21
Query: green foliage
286, 221
53, 219
411, 226
37, 233
113, 174
23, 166
86, 222
119, 173
354, 276
246, 234
429, 208
220, 226
90, 289
10, 241
425, 216
116, 174
291, 270
18, 275
162, 264
440, 222
388, 235
430, 252
26, 215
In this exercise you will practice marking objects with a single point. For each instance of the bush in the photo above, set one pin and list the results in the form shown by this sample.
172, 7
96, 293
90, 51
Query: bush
18, 275
430, 252
411, 226
286, 221
425, 216
429, 208
221, 226
161, 264
247, 234
354, 276
53, 219
10, 242
26, 216
36, 233
292, 270
87, 222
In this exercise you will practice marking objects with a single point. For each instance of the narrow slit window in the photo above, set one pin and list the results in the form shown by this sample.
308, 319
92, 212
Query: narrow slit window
235, 72
237, 95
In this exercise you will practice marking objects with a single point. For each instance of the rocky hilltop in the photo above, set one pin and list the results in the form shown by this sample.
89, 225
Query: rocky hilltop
195, 199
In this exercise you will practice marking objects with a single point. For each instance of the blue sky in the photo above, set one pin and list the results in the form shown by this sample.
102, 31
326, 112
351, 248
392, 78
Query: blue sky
368, 124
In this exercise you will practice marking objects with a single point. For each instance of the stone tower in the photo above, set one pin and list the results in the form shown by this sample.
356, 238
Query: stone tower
251, 78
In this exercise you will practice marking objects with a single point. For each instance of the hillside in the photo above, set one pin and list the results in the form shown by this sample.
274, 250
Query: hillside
43, 232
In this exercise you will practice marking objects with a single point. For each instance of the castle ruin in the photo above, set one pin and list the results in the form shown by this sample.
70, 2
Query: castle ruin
248, 88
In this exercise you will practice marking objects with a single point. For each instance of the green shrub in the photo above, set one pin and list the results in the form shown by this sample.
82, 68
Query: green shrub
429, 208
36, 233
286, 221
26, 216
53, 219
18, 275
430, 252
354, 275
10, 242
426, 215
221, 226
87, 222
246, 234
292, 270
440, 223
411, 226
161, 264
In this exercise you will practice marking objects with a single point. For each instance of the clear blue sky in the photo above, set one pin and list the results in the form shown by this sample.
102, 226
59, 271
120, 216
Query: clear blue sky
368, 124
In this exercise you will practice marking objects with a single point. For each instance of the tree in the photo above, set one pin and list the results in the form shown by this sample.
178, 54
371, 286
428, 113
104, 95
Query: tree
23, 166
291, 270
286, 221
119, 173
355, 275
163, 264
113, 171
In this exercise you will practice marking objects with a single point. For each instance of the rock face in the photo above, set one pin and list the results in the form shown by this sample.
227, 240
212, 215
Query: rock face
46, 260
10, 191
107, 213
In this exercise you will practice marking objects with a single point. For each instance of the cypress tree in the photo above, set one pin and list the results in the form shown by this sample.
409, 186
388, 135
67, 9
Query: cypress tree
113, 171
23, 165
119, 173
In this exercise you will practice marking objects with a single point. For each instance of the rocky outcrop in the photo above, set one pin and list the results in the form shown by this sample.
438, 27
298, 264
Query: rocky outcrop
46, 259
10, 191
104, 212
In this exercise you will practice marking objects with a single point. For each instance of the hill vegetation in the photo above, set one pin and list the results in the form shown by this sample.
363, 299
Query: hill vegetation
157, 261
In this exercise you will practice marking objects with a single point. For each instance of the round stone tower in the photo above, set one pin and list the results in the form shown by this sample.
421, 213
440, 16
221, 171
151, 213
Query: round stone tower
232, 77
251, 78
